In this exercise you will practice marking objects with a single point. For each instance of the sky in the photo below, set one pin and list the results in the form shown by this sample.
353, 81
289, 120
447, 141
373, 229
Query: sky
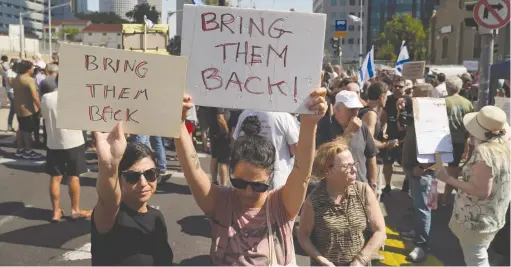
170, 5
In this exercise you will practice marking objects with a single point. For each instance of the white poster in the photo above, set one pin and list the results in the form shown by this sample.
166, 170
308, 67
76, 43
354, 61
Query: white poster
504, 104
252, 59
99, 87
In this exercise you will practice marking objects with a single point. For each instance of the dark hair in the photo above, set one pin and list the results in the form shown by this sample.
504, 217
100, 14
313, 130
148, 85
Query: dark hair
253, 148
24, 66
376, 90
57, 80
4, 58
134, 153
441, 77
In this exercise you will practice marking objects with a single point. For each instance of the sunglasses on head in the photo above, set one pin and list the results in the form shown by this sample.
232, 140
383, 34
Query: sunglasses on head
256, 186
132, 177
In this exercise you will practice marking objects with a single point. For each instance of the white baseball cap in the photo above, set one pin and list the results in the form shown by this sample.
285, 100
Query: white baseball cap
349, 98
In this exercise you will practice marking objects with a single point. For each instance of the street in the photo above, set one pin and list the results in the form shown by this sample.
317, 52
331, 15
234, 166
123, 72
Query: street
28, 238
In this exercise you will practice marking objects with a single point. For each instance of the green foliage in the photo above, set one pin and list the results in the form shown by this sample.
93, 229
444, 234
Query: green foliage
402, 28
70, 33
102, 17
174, 47
137, 14
215, 2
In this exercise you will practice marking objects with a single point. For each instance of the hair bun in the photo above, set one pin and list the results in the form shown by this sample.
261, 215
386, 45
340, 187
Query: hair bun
251, 125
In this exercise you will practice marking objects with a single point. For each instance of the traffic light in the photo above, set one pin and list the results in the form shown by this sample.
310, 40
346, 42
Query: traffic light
469, 20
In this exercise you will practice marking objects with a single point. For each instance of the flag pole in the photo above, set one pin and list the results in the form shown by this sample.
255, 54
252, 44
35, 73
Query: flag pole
145, 36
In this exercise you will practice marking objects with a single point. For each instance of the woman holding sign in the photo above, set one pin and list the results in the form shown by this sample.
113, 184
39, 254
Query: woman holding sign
250, 224
483, 199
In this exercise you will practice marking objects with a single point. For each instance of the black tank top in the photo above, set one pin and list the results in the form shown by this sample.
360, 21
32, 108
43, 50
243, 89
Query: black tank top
378, 128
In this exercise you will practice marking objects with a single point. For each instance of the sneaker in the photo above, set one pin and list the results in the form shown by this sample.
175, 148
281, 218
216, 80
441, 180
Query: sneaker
19, 153
417, 255
164, 177
409, 235
32, 155
10, 129
386, 191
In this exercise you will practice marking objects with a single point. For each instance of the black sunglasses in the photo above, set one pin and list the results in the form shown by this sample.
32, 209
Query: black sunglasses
132, 177
256, 186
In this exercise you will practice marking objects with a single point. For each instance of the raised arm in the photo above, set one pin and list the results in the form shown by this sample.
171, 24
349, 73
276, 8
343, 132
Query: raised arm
202, 189
293, 193
110, 148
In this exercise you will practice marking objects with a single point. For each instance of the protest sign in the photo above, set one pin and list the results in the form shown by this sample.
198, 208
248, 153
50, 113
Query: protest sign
252, 59
471, 65
432, 130
99, 87
413, 70
504, 104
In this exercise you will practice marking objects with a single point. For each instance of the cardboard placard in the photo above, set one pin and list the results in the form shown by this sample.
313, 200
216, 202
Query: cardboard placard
432, 130
414, 70
100, 86
504, 103
471, 65
252, 59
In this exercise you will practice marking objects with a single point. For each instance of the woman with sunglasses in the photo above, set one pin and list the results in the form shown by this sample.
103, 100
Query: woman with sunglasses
124, 229
250, 224
336, 214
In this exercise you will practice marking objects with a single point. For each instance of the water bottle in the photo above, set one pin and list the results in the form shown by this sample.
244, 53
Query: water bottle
433, 195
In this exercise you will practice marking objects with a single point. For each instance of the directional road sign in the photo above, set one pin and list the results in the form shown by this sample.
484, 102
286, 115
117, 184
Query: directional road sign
492, 14
341, 28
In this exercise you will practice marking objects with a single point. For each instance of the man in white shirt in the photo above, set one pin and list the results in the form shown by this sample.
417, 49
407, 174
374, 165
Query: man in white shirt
65, 156
441, 90
282, 130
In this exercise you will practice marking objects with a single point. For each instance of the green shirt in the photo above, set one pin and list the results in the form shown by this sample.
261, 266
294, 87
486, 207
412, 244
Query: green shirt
457, 106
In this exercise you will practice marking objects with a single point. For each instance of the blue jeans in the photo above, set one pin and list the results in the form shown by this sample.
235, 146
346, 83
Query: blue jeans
420, 187
156, 143
10, 118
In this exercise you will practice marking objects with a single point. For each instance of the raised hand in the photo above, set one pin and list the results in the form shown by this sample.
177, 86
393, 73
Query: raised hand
110, 147
317, 104
187, 105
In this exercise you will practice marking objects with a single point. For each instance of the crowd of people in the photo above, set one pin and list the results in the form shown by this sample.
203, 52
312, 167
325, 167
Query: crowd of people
330, 168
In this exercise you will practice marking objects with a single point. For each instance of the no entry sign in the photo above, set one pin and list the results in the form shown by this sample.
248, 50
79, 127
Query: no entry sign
492, 14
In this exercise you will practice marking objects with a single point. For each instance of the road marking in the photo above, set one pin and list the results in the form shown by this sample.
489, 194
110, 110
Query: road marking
22, 162
81, 253
13, 215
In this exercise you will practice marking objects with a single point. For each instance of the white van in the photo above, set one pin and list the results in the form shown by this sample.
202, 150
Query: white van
448, 70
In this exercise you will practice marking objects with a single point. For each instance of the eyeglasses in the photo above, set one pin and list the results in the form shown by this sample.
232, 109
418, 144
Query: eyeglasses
256, 186
132, 177
348, 166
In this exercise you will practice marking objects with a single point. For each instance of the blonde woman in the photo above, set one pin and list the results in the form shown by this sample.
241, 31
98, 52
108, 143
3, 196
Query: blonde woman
483, 197
338, 211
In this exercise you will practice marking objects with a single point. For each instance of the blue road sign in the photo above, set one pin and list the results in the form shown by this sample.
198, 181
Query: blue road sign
341, 25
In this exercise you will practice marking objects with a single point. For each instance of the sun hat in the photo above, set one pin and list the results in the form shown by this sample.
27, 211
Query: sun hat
488, 123
349, 98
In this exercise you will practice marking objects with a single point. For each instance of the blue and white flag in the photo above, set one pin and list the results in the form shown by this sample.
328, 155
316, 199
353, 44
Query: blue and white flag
148, 23
198, 2
366, 71
402, 58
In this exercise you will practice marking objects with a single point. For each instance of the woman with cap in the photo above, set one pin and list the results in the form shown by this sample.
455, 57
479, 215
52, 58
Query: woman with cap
483, 194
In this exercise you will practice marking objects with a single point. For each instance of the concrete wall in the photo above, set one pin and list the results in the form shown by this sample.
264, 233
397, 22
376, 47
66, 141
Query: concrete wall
10, 45
108, 39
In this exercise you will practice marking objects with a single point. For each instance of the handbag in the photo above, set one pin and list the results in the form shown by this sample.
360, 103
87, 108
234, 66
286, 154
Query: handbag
272, 257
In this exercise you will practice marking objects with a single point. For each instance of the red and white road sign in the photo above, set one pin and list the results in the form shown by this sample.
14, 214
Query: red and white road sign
492, 14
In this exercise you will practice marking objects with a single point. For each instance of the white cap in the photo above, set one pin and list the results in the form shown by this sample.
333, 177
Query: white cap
349, 99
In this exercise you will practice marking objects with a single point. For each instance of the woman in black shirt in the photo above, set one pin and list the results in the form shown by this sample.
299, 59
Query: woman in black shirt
125, 230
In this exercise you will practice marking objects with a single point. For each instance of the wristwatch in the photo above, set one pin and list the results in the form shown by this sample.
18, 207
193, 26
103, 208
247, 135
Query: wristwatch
373, 186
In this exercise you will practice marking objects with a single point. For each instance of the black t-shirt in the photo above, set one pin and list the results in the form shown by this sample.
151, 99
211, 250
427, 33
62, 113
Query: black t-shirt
135, 239
392, 119
233, 118
214, 126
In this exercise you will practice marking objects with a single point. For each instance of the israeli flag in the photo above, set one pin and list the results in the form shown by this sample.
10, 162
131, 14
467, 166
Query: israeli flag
198, 2
366, 71
148, 23
402, 58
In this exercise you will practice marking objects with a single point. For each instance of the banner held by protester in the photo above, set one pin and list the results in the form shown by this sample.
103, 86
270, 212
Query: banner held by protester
413, 70
252, 59
100, 87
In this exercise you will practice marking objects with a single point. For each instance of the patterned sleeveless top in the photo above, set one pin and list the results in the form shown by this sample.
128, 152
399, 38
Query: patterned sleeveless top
338, 229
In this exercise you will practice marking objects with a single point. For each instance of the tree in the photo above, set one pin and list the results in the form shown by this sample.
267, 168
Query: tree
102, 17
174, 47
386, 52
215, 2
403, 28
141, 10
69, 34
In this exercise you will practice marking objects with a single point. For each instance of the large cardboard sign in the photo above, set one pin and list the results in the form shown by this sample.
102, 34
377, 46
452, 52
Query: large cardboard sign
504, 103
432, 129
414, 70
252, 59
100, 86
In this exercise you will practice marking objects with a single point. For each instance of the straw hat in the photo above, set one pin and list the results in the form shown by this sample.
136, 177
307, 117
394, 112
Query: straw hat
488, 123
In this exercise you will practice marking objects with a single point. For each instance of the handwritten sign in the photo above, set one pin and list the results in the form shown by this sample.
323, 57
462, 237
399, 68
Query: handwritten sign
99, 87
252, 59
504, 104
414, 70
432, 130
471, 65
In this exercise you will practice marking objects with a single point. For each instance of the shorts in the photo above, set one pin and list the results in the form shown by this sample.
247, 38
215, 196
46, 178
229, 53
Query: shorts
28, 124
221, 147
203, 119
457, 152
392, 155
70, 162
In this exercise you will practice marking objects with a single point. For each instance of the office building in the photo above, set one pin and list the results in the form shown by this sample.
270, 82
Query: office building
80, 6
340, 10
32, 21
450, 42
63, 12
381, 11
119, 7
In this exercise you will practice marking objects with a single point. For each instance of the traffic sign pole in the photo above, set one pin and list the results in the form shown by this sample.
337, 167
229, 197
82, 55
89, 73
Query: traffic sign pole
486, 59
